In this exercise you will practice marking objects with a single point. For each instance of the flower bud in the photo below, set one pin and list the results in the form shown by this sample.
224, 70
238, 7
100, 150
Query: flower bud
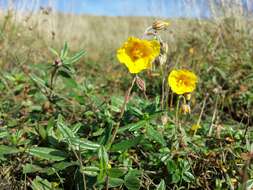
187, 96
141, 84
160, 25
57, 62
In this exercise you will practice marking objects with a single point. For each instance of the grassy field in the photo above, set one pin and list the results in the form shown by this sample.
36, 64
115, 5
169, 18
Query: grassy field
63, 119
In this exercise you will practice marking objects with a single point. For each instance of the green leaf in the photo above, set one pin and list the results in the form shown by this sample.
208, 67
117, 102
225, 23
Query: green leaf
65, 73
76, 128
161, 185
188, 177
75, 142
115, 182
42, 132
133, 126
249, 184
221, 72
132, 181
41, 184
136, 111
47, 153
75, 58
3, 134
116, 103
64, 51
8, 149
155, 135
63, 165
176, 177
31, 168
38, 81
171, 166
103, 157
90, 170
116, 172
141, 123
69, 69
70, 83
126, 144
53, 51
84, 144
64, 130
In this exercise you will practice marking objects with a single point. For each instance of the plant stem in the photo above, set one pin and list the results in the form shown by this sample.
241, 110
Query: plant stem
171, 100
201, 113
127, 98
128, 93
163, 92
214, 116
177, 110
52, 79
53, 74
81, 166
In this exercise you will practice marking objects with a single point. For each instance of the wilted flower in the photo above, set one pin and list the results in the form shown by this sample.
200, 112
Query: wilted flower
185, 108
182, 81
138, 54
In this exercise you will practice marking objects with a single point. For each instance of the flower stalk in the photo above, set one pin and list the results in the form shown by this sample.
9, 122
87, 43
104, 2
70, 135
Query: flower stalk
127, 97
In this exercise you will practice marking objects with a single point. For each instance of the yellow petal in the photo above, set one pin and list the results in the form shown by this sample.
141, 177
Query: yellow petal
138, 54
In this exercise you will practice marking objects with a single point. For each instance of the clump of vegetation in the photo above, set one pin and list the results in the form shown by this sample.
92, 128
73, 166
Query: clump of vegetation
184, 122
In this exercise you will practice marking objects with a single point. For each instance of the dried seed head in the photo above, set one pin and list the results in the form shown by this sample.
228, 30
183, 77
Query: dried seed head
160, 25
185, 108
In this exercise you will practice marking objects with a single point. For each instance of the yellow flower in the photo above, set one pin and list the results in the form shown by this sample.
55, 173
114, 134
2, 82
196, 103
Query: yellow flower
138, 54
182, 81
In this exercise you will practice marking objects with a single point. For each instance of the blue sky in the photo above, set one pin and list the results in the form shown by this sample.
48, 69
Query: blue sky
163, 8
158, 8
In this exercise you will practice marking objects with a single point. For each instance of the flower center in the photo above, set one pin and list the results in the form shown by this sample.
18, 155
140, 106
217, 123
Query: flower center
136, 53
182, 80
